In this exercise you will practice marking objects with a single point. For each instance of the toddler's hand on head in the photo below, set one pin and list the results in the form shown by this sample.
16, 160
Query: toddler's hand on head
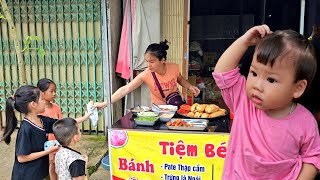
255, 34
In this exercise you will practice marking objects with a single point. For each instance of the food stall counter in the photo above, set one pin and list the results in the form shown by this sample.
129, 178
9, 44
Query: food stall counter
157, 152
220, 124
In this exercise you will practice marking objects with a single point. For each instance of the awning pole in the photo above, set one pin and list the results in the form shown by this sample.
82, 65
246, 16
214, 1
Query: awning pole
107, 64
130, 47
106, 73
302, 13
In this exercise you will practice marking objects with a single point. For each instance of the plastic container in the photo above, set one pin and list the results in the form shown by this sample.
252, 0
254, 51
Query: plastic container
166, 116
150, 114
165, 108
140, 121
138, 109
105, 162
145, 123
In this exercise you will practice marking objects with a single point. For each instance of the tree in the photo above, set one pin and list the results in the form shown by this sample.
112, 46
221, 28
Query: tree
16, 38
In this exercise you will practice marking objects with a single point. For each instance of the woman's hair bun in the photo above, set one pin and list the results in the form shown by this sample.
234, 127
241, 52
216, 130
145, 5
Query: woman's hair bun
164, 45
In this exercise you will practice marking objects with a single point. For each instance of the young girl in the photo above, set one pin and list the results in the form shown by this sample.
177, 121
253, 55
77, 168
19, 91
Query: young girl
272, 137
48, 87
31, 161
52, 110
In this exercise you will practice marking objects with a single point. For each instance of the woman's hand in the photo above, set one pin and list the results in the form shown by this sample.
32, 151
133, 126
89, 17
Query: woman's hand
255, 34
195, 90
100, 105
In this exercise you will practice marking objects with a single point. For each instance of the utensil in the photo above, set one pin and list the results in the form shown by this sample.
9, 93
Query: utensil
156, 107
137, 109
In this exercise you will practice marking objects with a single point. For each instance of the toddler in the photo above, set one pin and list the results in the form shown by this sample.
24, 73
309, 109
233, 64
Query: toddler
272, 136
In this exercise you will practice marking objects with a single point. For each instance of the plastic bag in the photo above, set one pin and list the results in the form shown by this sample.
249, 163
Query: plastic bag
94, 116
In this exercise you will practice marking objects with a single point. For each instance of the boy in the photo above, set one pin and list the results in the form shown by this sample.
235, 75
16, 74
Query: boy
70, 164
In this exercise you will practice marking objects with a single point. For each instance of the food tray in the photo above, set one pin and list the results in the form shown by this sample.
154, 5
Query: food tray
166, 116
201, 117
198, 125
145, 122
147, 113
137, 109
165, 108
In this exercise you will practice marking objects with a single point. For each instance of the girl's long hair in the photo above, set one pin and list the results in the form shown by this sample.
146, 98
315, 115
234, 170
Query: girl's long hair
11, 121
23, 96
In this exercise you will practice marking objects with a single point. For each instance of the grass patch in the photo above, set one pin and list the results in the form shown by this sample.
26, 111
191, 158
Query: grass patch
97, 138
91, 170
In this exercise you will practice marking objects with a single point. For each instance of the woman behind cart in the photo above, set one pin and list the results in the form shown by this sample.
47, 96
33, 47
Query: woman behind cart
168, 75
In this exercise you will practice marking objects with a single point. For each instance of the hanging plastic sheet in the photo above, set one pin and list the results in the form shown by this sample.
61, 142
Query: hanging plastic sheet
140, 40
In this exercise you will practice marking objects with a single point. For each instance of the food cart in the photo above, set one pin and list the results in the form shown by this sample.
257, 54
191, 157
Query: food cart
161, 152
157, 152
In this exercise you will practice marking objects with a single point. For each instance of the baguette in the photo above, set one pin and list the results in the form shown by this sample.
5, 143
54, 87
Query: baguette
201, 108
211, 108
216, 114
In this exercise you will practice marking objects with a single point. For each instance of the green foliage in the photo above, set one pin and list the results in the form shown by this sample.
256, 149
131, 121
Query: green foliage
91, 170
27, 41
2, 16
41, 52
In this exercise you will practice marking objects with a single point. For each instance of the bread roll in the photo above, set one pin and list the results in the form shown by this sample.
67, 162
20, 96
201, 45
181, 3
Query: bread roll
190, 114
197, 114
193, 107
201, 108
216, 114
204, 115
223, 110
211, 108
